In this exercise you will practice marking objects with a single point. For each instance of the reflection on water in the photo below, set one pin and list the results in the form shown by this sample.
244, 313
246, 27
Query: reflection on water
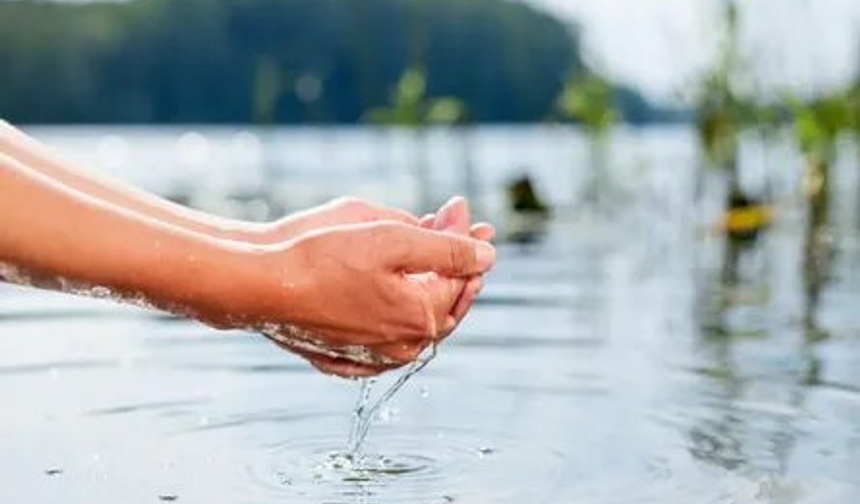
611, 362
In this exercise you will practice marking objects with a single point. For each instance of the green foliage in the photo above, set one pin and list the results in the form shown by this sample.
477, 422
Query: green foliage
819, 123
411, 108
720, 112
590, 100
267, 89
241, 61
853, 99
719, 120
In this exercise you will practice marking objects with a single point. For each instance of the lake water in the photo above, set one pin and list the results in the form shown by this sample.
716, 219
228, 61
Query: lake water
606, 363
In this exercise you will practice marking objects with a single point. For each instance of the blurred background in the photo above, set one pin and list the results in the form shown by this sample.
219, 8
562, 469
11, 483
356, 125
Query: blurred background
677, 188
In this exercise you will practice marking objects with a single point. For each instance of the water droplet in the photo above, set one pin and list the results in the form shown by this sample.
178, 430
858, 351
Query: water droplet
486, 451
388, 415
284, 479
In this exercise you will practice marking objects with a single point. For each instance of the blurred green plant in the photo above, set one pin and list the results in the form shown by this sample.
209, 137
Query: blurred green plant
818, 125
267, 90
720, 111
590, 101
853, 98
411, 108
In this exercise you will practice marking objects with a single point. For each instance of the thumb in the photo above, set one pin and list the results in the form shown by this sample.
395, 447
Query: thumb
417, 250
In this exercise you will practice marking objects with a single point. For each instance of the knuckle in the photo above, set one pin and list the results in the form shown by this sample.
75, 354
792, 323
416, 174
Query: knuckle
457, 256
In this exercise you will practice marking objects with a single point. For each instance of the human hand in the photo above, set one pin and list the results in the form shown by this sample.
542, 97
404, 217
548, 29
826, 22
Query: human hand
354, 289
454, 217
338, 212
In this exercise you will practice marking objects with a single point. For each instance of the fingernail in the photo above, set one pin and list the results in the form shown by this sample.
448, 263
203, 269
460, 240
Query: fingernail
450, 325
485, 255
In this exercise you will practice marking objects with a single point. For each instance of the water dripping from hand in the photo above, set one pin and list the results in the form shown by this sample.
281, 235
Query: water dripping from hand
365, 410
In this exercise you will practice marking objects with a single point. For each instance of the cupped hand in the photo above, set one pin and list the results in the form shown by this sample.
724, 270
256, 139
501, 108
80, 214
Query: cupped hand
454, 217
358, 290
338, 212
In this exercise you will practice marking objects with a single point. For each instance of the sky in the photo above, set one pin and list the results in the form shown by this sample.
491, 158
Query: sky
660, 46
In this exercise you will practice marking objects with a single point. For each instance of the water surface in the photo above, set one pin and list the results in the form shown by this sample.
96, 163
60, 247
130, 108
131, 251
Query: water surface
608, 363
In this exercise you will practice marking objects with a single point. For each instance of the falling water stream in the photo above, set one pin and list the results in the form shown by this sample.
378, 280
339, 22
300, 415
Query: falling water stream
365, 411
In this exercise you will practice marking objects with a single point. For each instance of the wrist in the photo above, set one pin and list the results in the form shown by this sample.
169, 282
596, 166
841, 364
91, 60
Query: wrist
219, 228
250, 285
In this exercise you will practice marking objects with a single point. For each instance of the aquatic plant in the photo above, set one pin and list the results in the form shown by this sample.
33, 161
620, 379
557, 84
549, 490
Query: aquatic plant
267, 90
411, 108
589, 100
817, 126
720, 111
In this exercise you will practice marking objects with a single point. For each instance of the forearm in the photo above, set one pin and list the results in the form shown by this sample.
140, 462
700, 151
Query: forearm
60, 237
26, 150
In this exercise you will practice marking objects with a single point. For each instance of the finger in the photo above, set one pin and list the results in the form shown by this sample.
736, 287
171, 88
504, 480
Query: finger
358, 210
428, 221
464, 304
418, 250
454, 216
438, 295
483, 231
467, 299
345, 369
377, 213
333, 365
401, 353
450, 326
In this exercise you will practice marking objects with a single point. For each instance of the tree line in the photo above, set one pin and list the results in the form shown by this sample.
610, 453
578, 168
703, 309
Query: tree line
280, 61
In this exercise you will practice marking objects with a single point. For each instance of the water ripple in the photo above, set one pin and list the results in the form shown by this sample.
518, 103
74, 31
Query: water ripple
429, 467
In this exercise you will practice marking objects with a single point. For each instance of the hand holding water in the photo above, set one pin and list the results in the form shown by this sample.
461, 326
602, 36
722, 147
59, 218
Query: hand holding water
383, 288
371, 286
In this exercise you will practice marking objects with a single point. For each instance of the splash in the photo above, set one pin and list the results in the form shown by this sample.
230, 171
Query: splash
365, 410
18, 276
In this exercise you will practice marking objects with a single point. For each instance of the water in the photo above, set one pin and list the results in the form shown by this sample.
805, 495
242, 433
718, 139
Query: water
607, 364
367, 408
